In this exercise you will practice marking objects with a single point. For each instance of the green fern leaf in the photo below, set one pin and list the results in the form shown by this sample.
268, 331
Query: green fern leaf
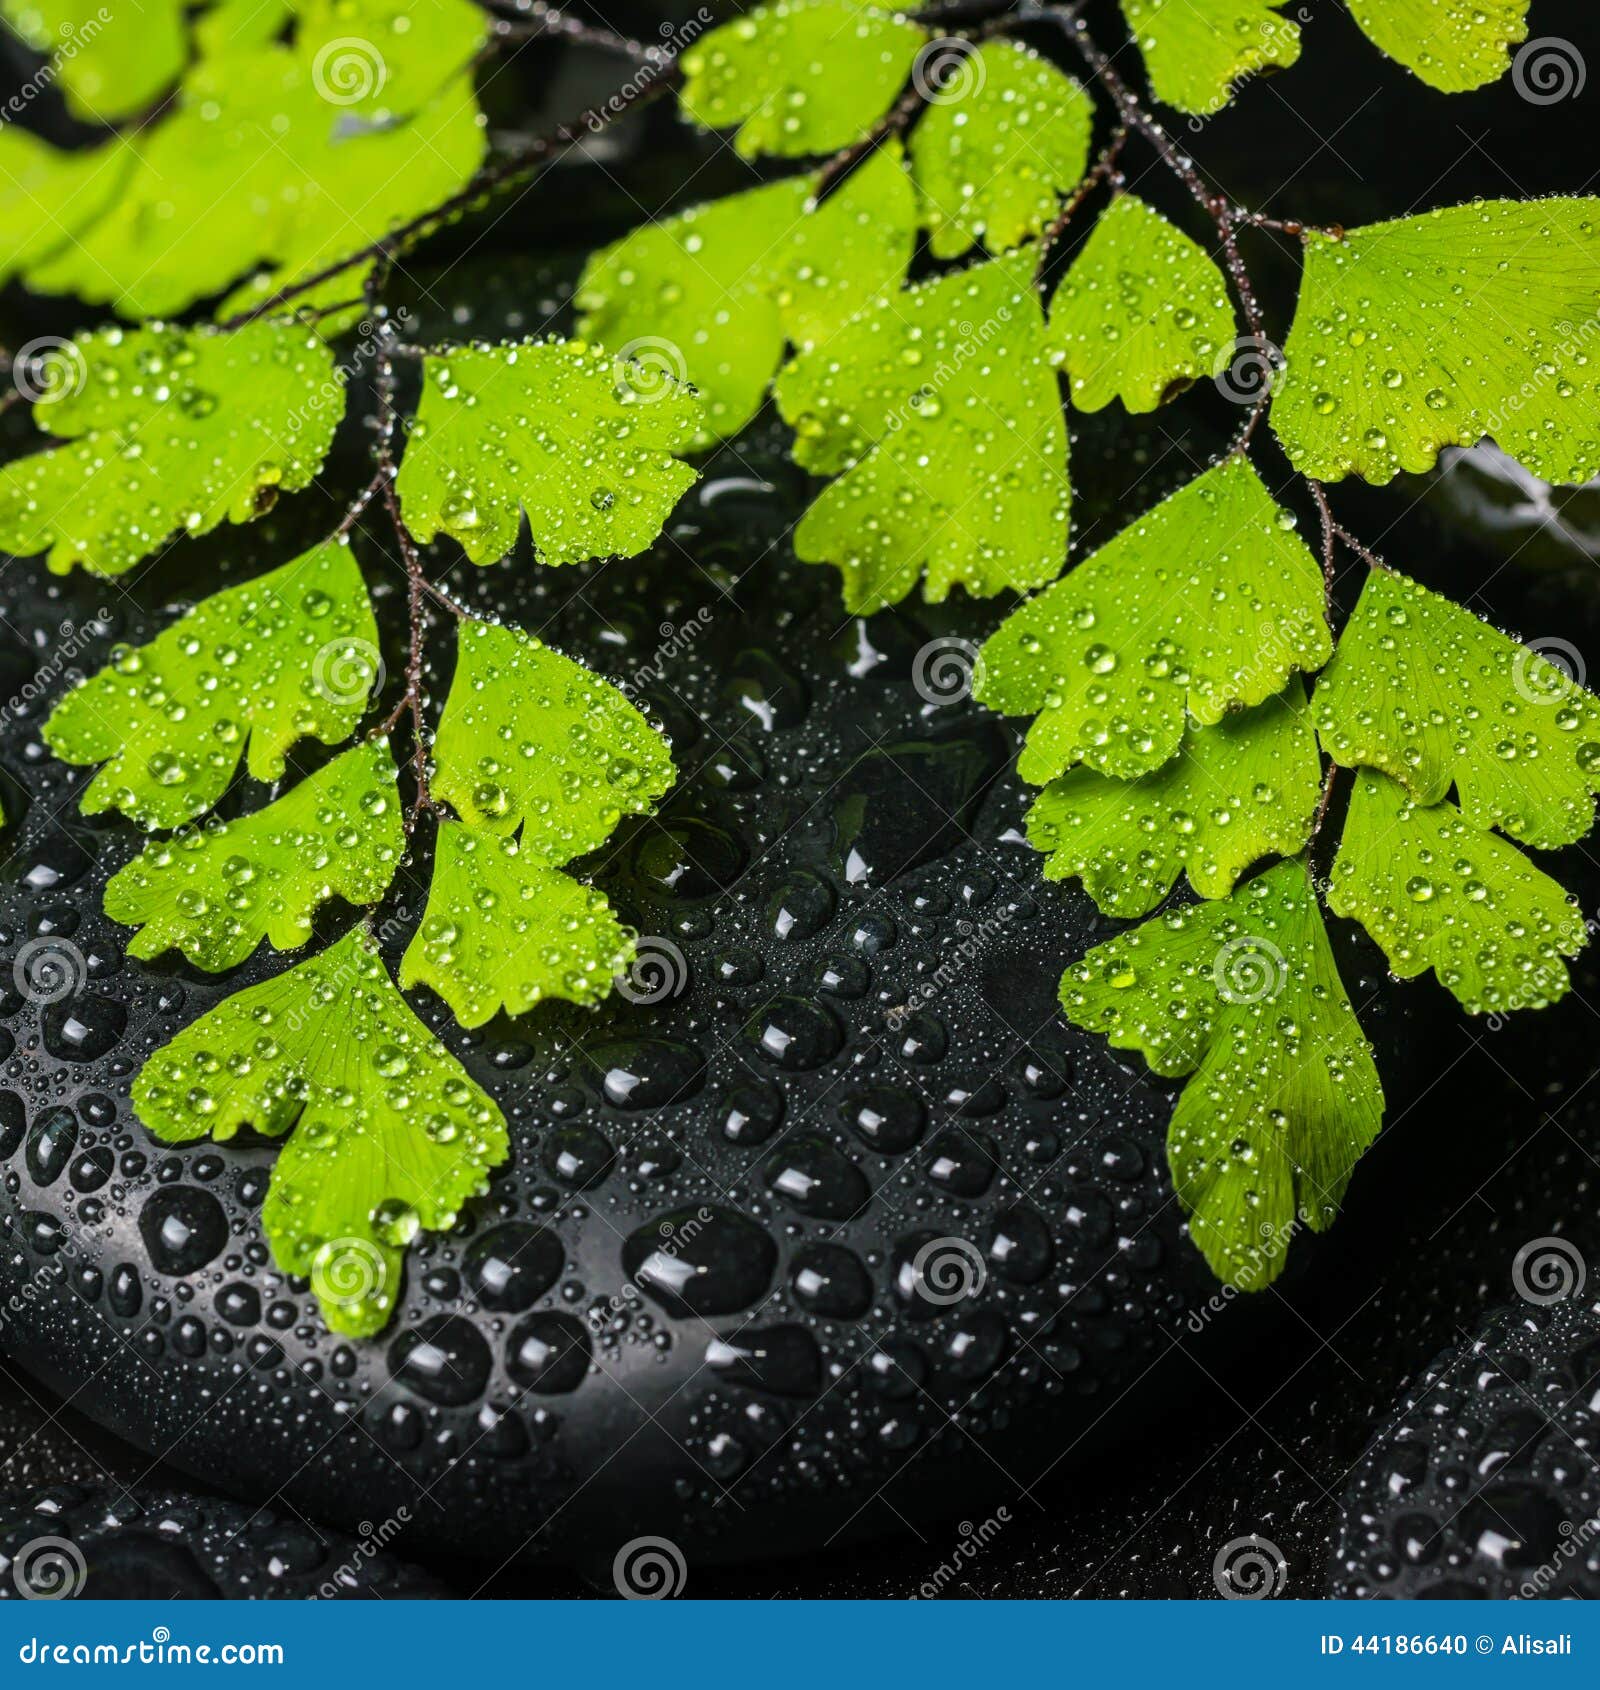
1436, 892
286, 157
1208, 603
48, 197
392, 1136
940, 406
581, 440
716, 292
247, 672
1142, 313
799, 76
1434, 697
991, 164
109, 61
504, 930
531, 739
1244, 996
168, 432
1196, 50
1244, 789
216, 892
1435, 330
1453, 45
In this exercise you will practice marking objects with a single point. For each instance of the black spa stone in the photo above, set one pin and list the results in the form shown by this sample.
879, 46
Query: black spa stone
692, 1304
93, 1542
1484, 1484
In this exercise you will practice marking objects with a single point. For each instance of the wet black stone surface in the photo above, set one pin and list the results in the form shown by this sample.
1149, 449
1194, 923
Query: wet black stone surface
837, 844
62, 1542
1484, 1485
694, 1302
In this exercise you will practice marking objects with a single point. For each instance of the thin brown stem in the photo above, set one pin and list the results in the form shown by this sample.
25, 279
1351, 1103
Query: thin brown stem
1362, 551
503, 176
1325, 517
541, 21
895, 121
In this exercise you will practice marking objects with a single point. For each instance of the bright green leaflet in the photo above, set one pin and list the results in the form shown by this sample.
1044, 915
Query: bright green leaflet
991, 163
582, 440
281, 157
47, 196
111, 59
247, 672
215, 892
1437, 892
1243, 995
940, 406
531, 739
1244, 789
799, 76
391, 1136
1436, 330
1425, 691
717, 291
1451, 44
1142, 312
168, 432
503, 930
1195, 50
1208, 603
